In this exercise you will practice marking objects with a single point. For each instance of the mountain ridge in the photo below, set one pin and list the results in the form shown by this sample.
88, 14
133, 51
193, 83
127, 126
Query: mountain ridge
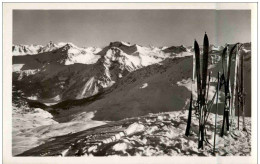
109, 64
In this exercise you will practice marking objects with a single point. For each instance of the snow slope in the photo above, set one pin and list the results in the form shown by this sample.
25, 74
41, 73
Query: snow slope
80, 55
152, 135
37, 126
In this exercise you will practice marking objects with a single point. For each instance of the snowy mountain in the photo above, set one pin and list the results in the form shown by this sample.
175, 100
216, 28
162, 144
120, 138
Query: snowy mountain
19, 50
175, 49
78, 55
97, 69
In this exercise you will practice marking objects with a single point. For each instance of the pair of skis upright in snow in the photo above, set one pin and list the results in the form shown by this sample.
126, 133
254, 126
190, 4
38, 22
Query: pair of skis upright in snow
203, 106
237, 93
202, 92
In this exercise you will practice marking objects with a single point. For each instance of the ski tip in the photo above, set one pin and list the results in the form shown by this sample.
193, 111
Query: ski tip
205, 35
206, 40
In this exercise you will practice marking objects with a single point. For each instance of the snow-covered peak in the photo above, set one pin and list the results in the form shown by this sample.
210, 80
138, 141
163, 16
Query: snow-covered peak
68, 44
133, 57
49, 47
51, 44
19, 50
79, 55
175, 49
68, 47
140, 57
119, 44
126, 43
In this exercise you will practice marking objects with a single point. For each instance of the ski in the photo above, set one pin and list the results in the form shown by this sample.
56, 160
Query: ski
203, 89
235, 93
208, 86
205, 67
228, 87
187, 133
242, 89
238, 92
206, 114
216, 115
197, 56
223, 61
238, 97
223, 79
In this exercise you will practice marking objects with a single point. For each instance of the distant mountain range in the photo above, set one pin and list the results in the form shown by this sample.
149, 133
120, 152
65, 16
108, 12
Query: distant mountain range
129, 78
96, 68
20, 50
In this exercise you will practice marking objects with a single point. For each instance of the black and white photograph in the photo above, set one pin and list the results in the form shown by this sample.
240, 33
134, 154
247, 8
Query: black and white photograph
131, 82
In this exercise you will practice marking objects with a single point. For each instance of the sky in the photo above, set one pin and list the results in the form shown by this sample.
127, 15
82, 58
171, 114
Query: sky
145, 27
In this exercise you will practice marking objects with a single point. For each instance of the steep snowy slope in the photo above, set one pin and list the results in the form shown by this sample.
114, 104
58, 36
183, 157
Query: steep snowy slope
54, 68
34, 126
128, 98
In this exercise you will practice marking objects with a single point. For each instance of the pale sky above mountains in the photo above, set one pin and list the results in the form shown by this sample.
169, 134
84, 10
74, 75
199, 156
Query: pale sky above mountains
144, 27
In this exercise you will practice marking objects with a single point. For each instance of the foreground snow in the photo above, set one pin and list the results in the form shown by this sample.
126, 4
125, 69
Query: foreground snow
34, 127
163, 134
151, 135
